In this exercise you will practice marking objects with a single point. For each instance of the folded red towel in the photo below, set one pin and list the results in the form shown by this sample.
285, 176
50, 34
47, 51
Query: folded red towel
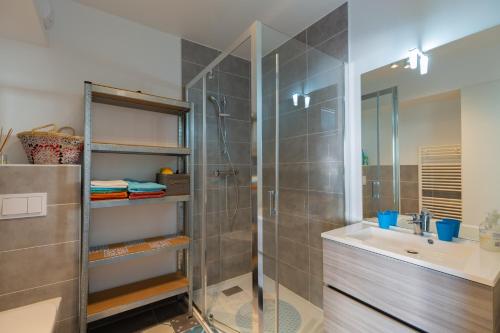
146, 195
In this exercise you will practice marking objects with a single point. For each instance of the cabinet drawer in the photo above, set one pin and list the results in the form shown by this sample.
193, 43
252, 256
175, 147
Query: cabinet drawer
423, 298
343, 314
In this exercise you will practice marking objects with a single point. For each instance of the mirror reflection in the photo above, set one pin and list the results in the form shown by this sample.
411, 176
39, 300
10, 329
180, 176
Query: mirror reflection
430, 134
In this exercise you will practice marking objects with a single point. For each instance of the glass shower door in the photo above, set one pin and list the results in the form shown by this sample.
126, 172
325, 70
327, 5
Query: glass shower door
380, 153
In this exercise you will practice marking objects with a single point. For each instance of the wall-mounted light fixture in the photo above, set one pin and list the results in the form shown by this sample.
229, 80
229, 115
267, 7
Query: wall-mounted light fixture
295, 99
307, 101
424, 64
416, 58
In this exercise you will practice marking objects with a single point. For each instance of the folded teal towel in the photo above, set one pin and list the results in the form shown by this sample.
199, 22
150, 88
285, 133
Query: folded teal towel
107, 189
135, 186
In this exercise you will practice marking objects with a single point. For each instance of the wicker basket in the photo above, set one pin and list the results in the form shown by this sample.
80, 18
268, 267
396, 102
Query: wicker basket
51, 146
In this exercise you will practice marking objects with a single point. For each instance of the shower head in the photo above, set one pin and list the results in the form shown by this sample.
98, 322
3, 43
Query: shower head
212, 99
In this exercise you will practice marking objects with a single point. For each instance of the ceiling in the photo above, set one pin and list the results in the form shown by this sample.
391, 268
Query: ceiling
217, 23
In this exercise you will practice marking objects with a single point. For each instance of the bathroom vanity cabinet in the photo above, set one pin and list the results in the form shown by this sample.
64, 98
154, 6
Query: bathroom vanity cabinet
370, 292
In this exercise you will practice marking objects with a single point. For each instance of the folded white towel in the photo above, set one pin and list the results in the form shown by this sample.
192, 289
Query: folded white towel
109, 183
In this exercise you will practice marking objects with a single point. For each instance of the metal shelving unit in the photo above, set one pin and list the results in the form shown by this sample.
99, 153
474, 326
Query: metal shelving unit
116, 300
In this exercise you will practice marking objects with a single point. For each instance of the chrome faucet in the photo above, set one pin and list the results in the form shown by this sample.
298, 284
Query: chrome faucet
421, 222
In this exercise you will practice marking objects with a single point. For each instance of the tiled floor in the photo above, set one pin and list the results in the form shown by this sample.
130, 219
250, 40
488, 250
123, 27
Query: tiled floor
167, 316
297, 315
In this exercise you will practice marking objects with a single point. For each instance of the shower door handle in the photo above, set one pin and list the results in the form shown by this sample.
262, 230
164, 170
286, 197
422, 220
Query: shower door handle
272, 202
376, 189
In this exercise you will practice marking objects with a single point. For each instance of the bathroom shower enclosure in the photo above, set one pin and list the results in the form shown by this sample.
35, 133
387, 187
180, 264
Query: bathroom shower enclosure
267, 140
380, 143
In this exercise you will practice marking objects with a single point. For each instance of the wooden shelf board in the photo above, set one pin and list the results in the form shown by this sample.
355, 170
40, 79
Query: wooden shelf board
137, 100
128, 202
122, 251
118, 148
116, 300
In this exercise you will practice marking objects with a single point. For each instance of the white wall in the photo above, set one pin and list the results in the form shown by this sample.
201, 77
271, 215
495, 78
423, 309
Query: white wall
430, 121
383, 31
480, 150
40, 85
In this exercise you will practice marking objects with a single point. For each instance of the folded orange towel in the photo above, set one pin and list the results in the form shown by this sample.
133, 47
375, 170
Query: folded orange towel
108, 196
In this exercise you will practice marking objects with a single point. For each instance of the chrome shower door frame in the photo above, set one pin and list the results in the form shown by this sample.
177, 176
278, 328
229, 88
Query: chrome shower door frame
254, 34
395, 139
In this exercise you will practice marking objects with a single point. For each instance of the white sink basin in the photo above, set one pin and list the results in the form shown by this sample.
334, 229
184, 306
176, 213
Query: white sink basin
462, 258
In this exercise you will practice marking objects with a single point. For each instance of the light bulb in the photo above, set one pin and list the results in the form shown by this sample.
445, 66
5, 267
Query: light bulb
307, 100
424, 64
295, 98
414, 58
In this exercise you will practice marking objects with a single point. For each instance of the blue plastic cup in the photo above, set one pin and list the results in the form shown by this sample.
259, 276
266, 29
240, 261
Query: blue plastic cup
394, 217
384, 220
445, 230
456, 225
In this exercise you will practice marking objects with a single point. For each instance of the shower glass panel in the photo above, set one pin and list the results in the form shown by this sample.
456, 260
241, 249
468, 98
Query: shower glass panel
268, 179
380, 152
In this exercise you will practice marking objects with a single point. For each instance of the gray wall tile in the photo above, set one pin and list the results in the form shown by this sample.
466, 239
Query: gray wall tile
236, 66
294, 176
61, 224
324, 116
293, 227
293, 71
32, 267
189, 71
293, 124
316, 291
294, 253
67, 290
409, 173
294, 279
316, 263
236, 242
62, 183
236, 265
328, 26
197, 53
40, 256
69, 325
235, 86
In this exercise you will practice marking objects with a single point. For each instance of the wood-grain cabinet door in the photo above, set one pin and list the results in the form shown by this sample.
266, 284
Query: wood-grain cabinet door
430, 300
345, 315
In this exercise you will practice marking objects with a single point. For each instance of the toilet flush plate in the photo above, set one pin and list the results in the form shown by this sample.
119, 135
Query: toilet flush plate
15, 206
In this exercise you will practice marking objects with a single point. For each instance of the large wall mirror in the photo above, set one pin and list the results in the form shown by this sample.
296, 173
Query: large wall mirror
431, 133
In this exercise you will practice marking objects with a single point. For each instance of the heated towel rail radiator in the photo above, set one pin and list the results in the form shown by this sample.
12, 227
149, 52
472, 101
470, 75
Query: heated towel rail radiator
440, 180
